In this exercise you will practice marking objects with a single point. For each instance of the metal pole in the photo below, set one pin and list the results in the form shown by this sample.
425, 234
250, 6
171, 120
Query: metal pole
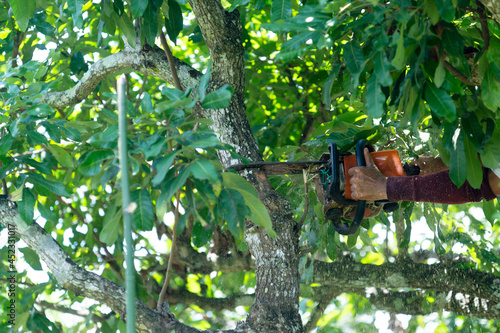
127, 213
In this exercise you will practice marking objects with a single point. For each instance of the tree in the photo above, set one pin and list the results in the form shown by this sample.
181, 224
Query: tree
244, 81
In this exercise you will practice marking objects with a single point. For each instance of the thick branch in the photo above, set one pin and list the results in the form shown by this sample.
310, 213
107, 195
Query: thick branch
417, 303
149, 62
406, 274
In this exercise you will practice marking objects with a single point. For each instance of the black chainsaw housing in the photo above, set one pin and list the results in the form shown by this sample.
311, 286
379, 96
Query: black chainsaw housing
337, 194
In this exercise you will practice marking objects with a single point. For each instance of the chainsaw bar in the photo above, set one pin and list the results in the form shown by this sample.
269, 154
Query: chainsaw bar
283, 168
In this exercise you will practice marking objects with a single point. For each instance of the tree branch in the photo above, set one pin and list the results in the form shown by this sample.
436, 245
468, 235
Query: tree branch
442, 278
149, 62
417, 303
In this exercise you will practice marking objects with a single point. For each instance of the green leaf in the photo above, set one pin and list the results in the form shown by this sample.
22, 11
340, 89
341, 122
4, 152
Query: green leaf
112, 228
281, 10
146, 103
6, 143
445, 9
143, 216
173, 183
331, 244
490, 90
26, 206
52, 186
431, 10
204, 169
375, 99
201, 235
491, 152
218, 99
31, 258
23, 10
61, 155
235, 210
382, 68
258, 212
474, 169
40, 110
162, 167
45, 211
204, 81
173, 22
473, 130
399, 57
138, 7
491, 212
91, 165
458, 162
127, 27
327, 87
77, 63
75, 7
298, 40
440, 102
439, 75
237, 3
354, 59
150, 23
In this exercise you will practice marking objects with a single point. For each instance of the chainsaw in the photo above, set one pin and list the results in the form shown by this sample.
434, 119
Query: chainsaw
334, 181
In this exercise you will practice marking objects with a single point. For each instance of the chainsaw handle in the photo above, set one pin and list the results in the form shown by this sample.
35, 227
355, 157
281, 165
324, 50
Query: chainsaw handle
340, 227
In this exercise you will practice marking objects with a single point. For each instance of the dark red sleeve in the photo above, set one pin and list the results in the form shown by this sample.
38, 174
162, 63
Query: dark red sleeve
437, 188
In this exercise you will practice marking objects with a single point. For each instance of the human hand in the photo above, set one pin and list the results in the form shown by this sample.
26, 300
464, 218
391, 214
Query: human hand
368, 183
429, 165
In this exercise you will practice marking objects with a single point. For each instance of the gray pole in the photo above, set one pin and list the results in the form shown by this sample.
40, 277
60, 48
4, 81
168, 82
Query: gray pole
127, 209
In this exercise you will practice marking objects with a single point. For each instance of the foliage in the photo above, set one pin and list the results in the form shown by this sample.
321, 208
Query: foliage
419, 76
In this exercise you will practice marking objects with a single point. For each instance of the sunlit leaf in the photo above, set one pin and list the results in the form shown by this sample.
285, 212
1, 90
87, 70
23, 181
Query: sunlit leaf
22, 10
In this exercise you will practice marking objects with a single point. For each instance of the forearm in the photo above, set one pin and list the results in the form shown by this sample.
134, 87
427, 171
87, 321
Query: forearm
437, 188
